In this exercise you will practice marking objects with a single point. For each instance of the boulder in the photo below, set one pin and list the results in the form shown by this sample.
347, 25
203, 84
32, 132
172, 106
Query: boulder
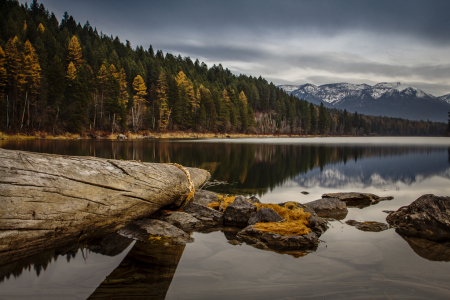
368, 225
264, 215
253, 236
206, 215
182, 220
238, 212
329, 208
253, 199
146, 230
428, 217
204, 198
121, 137
359, 200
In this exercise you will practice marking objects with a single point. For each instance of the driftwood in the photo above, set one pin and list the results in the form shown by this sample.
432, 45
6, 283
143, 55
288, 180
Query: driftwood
49, 199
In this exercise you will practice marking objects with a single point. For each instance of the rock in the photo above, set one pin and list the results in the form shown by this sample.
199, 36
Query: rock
111, 245
304, 193
149, 229
359, 200
48, 200
329, 208
253, 199
182, 220
428, 217
149, 137
206, 215
121, 137
388, 211
274, 241
238, 212
203, 197
368, 225
316, 223
264, 215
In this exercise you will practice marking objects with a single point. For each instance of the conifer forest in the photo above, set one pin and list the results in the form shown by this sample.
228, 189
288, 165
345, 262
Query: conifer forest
61, 76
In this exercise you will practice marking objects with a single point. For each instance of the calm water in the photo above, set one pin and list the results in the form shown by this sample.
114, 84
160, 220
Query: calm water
349, 264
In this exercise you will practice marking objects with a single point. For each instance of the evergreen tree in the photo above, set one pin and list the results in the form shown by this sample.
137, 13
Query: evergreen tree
323, 122
313, 114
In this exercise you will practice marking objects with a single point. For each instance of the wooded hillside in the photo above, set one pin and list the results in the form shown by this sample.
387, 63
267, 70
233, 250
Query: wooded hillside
64, 76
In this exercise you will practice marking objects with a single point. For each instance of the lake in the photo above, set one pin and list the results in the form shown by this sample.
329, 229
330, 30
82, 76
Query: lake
348, 264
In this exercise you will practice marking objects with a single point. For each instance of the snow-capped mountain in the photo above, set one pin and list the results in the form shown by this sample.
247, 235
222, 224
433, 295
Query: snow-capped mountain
445, 98
385, 99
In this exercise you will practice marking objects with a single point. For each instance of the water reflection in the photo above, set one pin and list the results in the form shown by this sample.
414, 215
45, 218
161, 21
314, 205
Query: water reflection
259, 168
110, 245
145, 273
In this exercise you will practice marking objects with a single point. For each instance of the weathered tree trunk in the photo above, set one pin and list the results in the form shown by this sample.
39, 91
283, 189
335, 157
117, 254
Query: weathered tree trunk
49, 199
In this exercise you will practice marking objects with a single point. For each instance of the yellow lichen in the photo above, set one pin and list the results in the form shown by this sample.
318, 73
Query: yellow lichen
214, 205
296, 220
225, 202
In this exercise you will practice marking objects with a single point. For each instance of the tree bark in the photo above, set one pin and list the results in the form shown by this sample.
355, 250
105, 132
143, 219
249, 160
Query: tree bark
46, 200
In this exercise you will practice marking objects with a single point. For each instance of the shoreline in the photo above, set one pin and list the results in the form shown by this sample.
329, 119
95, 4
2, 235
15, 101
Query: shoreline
146, 135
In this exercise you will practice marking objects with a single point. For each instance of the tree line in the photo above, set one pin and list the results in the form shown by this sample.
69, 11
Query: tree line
64, 76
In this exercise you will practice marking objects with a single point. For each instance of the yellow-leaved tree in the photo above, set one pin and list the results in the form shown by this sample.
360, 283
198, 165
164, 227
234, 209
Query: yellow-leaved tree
163, 103
71, 73
194, 96
41, 28
74, 53
138, 109
30, 79
102, 80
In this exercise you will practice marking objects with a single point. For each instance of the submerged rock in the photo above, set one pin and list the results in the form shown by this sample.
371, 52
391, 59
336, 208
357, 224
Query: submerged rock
238, 212
205, 197
359, 200
304, 193
329, 208
428, 217
148, 229
207, 215
182, 220
368, 225
263, 239
264, 215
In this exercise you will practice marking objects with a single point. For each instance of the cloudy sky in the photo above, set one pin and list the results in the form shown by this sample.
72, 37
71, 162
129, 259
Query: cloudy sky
286, 41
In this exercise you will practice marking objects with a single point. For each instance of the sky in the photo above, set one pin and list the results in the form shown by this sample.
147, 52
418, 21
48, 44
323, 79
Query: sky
286, 41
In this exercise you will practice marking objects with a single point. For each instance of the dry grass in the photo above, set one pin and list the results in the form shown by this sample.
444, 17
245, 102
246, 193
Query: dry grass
214, 205
297, 221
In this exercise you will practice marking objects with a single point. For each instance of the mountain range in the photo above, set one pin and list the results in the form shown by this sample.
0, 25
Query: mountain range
382, 99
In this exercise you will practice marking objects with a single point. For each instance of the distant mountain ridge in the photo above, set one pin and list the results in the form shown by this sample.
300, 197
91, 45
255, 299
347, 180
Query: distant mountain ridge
385, 99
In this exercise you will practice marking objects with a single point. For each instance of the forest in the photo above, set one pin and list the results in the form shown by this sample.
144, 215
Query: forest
61, 76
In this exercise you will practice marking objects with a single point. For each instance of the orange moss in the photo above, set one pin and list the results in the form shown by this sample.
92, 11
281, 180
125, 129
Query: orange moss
296, 220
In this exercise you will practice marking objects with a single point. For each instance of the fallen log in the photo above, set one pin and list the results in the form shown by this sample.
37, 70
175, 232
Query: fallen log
46, 199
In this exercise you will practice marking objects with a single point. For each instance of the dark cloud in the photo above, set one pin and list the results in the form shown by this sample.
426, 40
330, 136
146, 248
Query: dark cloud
254, 36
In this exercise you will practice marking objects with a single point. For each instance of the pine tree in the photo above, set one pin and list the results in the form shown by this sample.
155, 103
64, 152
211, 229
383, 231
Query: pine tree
313, 114
243, 110
74, 53
323, 122
138, 109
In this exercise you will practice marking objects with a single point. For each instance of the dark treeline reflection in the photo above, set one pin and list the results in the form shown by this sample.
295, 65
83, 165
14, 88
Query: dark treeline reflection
109, 245
258, 168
